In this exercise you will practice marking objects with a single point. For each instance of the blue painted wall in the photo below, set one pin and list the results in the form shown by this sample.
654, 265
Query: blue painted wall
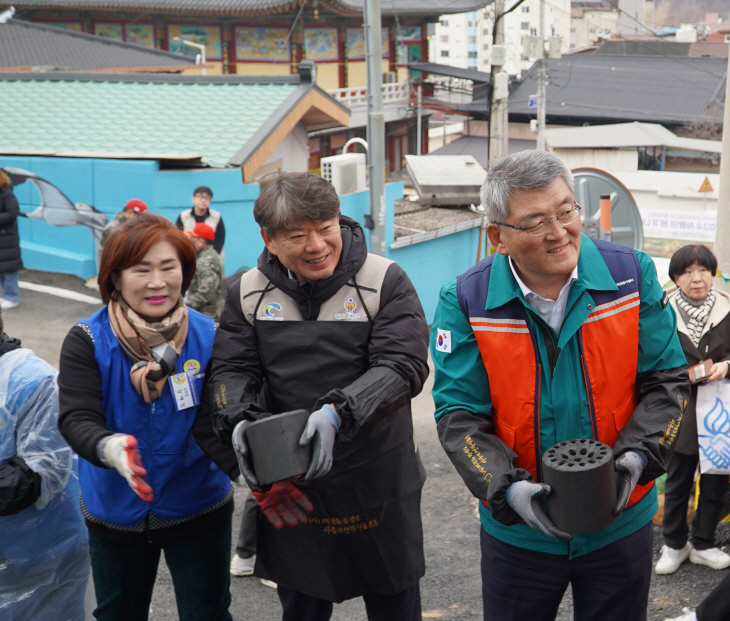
432, 263
108, 184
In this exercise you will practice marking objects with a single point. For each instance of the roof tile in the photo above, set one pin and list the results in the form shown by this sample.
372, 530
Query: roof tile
136, 117
659, 89
26, 44
257, 7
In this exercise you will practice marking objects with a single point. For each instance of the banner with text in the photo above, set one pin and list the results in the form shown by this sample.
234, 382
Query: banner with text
685, 225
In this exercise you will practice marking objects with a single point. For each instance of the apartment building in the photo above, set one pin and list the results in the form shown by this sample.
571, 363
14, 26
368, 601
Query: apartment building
465, 40
588, 25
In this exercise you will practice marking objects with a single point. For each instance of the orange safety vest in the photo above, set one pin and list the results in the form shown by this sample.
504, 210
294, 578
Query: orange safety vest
609, 352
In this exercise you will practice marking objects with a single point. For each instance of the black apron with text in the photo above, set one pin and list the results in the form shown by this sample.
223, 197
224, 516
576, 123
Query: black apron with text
364, 534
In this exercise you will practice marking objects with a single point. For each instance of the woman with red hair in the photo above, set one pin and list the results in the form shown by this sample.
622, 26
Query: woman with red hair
130, 380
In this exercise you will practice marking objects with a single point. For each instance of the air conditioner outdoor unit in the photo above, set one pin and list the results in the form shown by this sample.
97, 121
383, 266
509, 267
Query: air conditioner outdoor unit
347, 172
389, 77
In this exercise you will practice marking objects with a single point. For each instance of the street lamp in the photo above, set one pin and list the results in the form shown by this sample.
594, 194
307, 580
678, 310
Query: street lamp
199, 46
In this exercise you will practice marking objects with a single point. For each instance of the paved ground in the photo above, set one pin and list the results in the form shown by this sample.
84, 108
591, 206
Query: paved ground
451, 587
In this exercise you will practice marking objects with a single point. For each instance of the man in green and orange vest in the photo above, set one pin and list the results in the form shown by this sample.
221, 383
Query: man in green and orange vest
556, 337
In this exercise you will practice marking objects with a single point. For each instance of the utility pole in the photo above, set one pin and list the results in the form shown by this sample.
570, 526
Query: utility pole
722, 232
541, 87
498, 109
376, 126
419, 126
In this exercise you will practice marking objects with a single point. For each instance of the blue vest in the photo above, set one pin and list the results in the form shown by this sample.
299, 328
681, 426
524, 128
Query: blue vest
184, 480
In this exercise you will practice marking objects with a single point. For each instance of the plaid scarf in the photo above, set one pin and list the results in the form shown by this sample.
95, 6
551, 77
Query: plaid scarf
697, 314
153, 347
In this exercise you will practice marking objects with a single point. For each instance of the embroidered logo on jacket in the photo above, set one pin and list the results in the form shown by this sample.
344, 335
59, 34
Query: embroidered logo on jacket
269, 312
349, 308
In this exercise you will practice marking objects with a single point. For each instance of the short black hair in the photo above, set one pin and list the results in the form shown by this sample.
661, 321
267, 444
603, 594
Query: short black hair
203, 189
292, 198
689, 255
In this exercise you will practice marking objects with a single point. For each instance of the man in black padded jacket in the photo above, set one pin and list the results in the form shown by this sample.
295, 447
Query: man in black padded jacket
323, 325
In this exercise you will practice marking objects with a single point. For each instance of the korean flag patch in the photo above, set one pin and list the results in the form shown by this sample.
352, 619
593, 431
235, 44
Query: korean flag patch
443, 340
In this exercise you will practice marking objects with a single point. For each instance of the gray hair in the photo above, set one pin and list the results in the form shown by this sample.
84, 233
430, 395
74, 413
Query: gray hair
525, 170
290, 199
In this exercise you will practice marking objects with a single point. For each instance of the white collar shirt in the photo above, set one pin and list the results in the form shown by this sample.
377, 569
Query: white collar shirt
552, 311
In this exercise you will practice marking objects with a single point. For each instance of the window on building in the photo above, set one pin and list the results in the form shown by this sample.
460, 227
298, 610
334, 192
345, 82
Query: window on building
524, 57
592, 31
525, 9
472, 55
444, 22
485, 31
471, 39
572, 31
444, 38
572, 46
486, 47
444, 53
524, 25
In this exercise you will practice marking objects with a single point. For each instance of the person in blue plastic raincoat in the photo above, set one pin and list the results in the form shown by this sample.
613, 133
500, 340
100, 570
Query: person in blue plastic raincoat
44, 552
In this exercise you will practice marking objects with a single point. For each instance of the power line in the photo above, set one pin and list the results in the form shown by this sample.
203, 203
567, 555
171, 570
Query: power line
648, 46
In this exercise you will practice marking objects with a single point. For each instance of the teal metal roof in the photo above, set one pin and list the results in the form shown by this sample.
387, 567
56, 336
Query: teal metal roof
144, 118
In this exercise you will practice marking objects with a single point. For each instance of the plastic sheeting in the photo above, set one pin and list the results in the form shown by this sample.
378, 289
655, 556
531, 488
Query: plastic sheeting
44, 556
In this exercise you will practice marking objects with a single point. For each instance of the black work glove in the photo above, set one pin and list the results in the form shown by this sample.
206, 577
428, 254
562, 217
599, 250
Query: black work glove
526, 498
628, 470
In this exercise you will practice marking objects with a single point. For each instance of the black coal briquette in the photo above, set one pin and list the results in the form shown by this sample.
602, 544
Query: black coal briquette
275, 450
581, 475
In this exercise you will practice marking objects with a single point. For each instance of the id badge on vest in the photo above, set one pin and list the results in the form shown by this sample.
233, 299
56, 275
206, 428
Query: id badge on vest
183, 389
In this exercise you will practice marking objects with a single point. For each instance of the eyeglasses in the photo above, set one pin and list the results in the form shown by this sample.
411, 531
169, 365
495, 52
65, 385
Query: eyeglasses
565, 217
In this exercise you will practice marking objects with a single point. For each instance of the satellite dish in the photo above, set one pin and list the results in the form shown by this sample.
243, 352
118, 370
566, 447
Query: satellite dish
626, 226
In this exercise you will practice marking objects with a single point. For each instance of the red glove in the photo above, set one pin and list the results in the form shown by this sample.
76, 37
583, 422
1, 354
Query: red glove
284, 504
120, 452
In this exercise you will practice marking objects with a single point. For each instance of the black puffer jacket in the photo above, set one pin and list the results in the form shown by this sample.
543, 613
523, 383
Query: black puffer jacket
9, 239
285, 344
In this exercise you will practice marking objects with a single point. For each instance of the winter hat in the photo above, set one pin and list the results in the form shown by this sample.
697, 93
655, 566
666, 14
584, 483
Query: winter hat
136, 205
203, 231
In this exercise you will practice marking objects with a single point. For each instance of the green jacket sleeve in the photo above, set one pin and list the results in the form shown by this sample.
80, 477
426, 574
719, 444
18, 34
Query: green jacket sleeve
662, 382
460, 380
463, 411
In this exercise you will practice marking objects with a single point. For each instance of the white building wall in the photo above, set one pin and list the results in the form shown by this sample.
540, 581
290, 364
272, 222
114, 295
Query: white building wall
458, 35
592, 26
448, 46
605, 159
649, 7
631, 19
291, 154
524, 20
